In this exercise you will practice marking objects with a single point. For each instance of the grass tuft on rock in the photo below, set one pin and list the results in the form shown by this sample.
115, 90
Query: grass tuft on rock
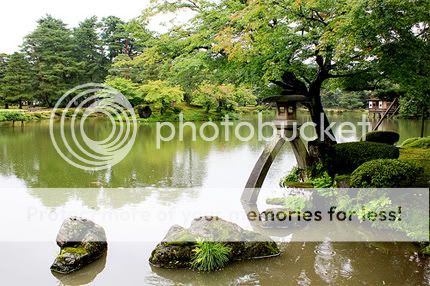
210, 256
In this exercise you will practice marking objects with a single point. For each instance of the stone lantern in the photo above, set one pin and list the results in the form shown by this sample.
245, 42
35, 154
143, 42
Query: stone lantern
286, 123
286, 107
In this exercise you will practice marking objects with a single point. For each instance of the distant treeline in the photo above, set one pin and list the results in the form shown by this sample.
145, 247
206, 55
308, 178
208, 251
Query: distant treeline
234, 53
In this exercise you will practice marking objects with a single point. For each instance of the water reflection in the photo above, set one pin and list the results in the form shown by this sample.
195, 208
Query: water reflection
27, 158
28, 154
84, 276
309, 264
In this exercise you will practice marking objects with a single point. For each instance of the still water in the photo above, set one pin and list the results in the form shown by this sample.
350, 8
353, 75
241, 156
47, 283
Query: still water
201, 177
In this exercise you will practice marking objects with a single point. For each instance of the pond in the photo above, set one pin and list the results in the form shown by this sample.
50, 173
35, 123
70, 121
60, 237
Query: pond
203, 178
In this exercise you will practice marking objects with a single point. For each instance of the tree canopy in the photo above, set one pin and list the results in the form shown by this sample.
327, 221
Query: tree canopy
232, 51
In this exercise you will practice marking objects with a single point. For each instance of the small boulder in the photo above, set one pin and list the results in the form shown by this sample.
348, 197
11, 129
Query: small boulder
176, 249
81, 242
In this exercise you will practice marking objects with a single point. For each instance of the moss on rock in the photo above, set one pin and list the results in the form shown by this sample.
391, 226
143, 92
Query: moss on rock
176, 249
82, 242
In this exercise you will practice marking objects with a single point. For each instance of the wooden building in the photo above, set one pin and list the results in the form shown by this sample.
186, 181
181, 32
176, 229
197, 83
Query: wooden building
378, 107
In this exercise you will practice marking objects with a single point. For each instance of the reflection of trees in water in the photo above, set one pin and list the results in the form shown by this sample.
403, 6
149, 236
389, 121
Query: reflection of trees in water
109, 198
28, 154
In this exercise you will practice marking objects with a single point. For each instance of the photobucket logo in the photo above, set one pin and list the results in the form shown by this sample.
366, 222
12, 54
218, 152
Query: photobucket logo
289, 130
80, 103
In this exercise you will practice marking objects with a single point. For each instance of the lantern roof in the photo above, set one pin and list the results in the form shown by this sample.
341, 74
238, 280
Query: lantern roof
286, 98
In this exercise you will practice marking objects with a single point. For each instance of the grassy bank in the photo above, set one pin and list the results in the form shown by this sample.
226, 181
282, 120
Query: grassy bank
421, 157
195, 113
190, 113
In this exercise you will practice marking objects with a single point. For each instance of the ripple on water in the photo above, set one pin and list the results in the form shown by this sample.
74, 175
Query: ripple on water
329, 265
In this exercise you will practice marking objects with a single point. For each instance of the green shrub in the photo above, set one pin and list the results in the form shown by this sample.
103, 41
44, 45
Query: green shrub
387, 137
14, 116
426, 250
293, 176
417, 142
210, 256
344, 158
325, 181
385, 173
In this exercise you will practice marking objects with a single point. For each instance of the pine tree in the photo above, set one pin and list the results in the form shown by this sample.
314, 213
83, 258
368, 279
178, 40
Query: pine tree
17, 80
3, 65
115, 37
89, 51
50, 48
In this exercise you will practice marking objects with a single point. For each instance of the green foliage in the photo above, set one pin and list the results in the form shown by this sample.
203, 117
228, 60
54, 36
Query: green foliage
417, 142
162, 94
325, 181
14, 116
129, 89
295, 175
115, 37
222, 97
387, 137
385, 173
210, 256
344, 99
344, 158
17, 80
426, 250
420, 156
296, 203
89, 51
50, 48
232, 51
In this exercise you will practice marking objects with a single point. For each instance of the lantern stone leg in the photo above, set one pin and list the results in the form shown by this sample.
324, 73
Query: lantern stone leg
261, 168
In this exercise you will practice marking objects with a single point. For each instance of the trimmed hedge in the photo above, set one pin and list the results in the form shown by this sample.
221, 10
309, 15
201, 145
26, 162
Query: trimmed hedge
417, 142
344, 158
385, 173
386, 137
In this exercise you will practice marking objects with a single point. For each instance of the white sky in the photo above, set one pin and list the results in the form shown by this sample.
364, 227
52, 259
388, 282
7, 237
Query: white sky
18, 17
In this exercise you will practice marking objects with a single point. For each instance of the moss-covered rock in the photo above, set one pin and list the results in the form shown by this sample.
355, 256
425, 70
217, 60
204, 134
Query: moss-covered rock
386, 137
176, 249
81, 242
342, 181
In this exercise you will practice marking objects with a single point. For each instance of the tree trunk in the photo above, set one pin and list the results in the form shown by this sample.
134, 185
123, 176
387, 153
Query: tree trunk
6, 105
318, 115
20, 104
423, 122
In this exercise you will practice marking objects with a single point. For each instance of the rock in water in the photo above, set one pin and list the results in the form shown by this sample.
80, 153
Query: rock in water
81, 242
176, 249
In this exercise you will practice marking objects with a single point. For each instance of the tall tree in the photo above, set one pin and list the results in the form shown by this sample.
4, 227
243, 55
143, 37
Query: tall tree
89, 51
115, 37
294, 47
16, 83
3, 66
50, 48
